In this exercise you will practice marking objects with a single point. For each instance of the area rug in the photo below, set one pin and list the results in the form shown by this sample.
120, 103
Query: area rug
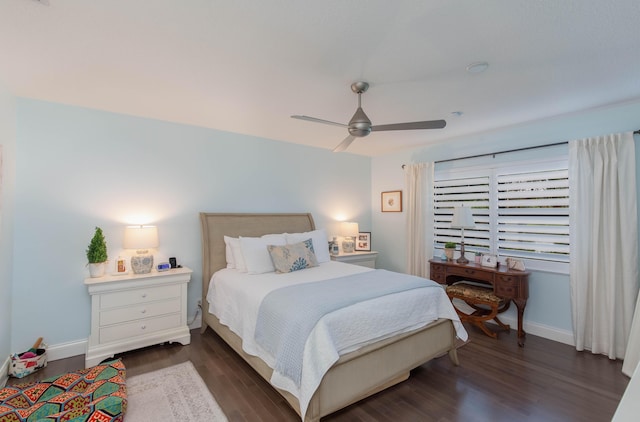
176, 393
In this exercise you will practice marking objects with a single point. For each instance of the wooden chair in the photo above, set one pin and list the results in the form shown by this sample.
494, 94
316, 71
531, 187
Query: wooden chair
485, 304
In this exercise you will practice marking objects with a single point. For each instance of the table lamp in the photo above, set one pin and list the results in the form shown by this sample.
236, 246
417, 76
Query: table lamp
141, 238
462, 219
349, 231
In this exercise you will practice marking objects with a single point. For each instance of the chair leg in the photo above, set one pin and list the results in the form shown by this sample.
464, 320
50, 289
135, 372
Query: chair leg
485, 330
502, 325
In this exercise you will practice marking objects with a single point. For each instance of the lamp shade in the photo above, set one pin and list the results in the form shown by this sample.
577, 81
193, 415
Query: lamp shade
350, 229
140, 237
462, 218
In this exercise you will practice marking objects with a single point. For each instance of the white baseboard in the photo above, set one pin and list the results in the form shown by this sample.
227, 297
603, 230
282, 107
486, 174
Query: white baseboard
540, 330
66, 350
79, 347
4, 372
534, 328
197, 322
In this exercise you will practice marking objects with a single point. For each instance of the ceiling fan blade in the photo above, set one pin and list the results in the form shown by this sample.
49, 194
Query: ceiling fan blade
313, 119
344, 144
428, 124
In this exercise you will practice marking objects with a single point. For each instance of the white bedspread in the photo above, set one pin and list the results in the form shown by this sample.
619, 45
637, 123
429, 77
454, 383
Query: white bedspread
235, 299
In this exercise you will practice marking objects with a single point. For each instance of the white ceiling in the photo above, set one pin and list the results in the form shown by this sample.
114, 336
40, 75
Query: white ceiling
245, 66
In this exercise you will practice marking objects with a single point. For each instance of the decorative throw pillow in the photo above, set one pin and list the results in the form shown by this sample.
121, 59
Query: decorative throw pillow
294, 257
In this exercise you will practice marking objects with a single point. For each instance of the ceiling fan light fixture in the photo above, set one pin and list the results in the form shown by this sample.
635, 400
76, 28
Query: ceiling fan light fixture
360, 125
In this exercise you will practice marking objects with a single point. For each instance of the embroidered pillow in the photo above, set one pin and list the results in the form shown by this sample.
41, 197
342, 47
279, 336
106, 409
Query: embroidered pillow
294, 257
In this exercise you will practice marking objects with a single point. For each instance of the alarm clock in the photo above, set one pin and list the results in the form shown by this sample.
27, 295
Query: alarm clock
164, 266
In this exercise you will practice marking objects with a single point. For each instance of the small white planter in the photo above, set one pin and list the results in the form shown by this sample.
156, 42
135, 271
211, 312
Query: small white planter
449, 253
96, 270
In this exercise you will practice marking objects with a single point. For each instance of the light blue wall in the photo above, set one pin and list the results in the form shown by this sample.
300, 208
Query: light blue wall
79, 168
76, 168
7, 183
549, 307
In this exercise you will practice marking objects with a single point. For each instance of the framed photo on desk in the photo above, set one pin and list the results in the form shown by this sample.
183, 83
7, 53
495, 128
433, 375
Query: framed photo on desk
489, 261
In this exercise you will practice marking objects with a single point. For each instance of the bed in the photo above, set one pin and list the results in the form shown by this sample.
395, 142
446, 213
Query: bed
356, 374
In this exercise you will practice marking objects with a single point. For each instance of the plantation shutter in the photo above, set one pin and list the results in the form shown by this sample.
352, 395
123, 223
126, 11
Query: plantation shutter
533, 214
471, 192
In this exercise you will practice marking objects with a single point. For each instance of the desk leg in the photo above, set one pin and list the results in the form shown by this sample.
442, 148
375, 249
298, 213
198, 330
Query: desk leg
520, 304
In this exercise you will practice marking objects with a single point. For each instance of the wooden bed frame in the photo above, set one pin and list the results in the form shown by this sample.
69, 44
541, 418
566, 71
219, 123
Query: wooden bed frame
355, 375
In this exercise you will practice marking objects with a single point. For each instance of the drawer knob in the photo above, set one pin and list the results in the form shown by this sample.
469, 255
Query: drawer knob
144, 295
143, 327
144, 311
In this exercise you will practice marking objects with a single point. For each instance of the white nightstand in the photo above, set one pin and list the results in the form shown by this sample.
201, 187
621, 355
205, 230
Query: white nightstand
364, 259
136, 310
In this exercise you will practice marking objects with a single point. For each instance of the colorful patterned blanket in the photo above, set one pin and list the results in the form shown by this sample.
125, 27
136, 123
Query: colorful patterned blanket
98, 393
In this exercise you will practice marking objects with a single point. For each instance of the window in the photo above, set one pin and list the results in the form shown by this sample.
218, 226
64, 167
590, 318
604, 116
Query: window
521, 210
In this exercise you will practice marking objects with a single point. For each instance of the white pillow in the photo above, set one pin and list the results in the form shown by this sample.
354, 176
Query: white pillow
255, 253
231, 263
236, 252
319, 239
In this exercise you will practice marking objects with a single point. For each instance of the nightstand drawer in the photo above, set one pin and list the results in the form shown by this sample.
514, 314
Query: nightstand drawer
138, 328
138, 296
135, 312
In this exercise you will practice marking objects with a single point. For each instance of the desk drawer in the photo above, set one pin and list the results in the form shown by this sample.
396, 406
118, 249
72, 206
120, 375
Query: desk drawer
473, 273
438, 277
437, 268
508, 287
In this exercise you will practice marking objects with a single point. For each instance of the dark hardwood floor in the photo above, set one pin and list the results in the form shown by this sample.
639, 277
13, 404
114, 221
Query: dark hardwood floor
496, 381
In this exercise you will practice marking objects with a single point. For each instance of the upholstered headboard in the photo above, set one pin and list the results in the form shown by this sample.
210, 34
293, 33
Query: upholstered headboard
215, 226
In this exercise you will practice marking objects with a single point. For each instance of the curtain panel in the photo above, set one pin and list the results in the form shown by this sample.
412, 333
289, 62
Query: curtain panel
604, 242
419, 187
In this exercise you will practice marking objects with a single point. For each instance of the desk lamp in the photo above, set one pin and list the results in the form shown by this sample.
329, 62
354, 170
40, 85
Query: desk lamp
462, 219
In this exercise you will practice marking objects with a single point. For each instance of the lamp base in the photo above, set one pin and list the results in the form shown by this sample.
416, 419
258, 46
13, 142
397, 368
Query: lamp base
142, 264
462, 259
348, 245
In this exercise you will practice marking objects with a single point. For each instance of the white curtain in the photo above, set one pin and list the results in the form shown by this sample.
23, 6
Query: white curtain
604, 242
419, 188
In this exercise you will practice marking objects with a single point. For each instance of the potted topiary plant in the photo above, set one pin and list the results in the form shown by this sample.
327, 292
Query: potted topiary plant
449, 249
97, 254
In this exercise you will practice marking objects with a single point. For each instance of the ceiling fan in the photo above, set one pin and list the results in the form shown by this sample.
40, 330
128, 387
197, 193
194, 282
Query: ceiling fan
360, 126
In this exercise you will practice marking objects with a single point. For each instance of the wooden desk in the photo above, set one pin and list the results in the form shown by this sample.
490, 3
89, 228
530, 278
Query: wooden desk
511, 285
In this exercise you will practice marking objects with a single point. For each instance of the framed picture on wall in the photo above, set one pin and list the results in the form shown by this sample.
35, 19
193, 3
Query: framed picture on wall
392, 201
363, 241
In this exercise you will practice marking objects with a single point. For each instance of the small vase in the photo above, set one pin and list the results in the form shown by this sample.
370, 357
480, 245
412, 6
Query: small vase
96, 270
